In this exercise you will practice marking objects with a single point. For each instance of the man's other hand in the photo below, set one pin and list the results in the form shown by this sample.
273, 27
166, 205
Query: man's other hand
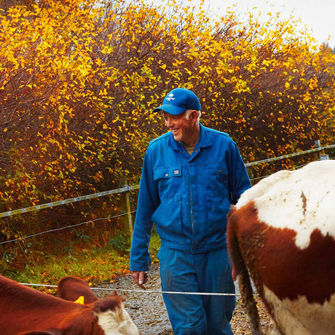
140, 278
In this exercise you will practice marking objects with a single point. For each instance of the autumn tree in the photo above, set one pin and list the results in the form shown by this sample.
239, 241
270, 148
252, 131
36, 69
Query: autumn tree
79, 80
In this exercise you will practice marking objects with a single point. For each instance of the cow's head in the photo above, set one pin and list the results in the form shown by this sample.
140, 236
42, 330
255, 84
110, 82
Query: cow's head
113, 317
110, 311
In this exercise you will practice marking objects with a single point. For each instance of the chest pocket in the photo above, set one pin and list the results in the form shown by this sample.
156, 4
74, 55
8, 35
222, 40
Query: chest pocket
217, 180
169, 181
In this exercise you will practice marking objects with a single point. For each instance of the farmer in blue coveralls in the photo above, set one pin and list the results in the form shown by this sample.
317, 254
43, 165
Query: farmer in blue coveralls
191, 175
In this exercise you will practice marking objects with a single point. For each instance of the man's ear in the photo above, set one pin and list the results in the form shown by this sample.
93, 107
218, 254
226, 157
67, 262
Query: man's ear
194, 115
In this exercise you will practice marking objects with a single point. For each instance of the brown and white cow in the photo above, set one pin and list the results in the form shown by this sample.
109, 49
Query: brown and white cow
25, 311
282, 233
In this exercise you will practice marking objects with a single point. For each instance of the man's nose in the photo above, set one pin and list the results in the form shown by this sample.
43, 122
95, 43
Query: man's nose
168, 122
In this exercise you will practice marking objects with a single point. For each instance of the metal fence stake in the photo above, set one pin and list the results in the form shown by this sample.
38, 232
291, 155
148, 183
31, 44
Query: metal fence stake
130, 219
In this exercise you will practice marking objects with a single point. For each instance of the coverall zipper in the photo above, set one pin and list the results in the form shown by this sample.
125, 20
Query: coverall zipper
191, 205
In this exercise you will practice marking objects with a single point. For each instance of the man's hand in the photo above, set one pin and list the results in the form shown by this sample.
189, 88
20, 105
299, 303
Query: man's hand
140, 278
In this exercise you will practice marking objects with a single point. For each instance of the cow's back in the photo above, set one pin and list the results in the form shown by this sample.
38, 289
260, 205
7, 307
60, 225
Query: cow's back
23, 308
282, 230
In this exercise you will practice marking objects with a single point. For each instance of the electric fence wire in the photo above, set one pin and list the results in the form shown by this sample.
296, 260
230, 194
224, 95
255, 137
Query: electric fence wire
63, 228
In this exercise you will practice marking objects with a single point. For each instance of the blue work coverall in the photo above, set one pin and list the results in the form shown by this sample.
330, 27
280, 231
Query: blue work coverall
188, 199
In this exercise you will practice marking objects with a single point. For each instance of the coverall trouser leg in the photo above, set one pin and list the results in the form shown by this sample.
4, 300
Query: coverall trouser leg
207, 272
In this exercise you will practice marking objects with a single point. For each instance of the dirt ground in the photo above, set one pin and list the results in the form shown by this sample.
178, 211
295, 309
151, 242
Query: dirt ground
148, 311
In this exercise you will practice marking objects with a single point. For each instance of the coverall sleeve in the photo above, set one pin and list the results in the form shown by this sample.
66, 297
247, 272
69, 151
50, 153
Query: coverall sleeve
147, 203
239, 180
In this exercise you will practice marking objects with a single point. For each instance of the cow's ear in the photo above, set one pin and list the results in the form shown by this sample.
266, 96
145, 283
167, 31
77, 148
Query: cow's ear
71, 288
52, 331
114, 293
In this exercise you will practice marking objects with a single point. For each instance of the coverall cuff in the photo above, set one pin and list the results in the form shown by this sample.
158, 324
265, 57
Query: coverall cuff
139, 266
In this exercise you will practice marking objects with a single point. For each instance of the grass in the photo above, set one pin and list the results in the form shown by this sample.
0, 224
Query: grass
93, 264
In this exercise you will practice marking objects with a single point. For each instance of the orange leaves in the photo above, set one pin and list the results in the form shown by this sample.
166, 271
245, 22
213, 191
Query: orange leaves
78, 83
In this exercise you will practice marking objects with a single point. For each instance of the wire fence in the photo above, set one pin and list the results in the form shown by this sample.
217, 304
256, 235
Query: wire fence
65, 227
68, 201
129, 213
295, 154
128, 189
142, 291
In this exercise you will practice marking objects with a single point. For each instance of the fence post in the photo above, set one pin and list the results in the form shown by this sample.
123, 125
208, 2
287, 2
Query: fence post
125, 207
317, 144
130, 219
321, 156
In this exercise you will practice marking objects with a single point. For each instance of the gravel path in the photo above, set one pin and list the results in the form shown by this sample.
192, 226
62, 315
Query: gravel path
148, 309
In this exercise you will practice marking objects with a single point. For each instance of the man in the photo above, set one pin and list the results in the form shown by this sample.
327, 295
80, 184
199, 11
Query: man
190, 177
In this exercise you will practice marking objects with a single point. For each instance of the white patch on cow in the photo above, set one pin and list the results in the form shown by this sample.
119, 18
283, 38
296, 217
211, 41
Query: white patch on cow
298, 317
302, 200
117, 322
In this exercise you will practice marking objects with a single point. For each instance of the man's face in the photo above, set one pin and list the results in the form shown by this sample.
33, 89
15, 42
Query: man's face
181, 128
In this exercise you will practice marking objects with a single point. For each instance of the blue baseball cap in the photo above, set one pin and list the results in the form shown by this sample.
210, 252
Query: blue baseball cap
178, 101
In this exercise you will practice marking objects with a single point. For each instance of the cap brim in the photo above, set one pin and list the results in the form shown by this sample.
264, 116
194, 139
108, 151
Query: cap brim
170, 109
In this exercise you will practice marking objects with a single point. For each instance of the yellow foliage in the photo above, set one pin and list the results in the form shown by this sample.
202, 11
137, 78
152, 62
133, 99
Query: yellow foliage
78, 83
